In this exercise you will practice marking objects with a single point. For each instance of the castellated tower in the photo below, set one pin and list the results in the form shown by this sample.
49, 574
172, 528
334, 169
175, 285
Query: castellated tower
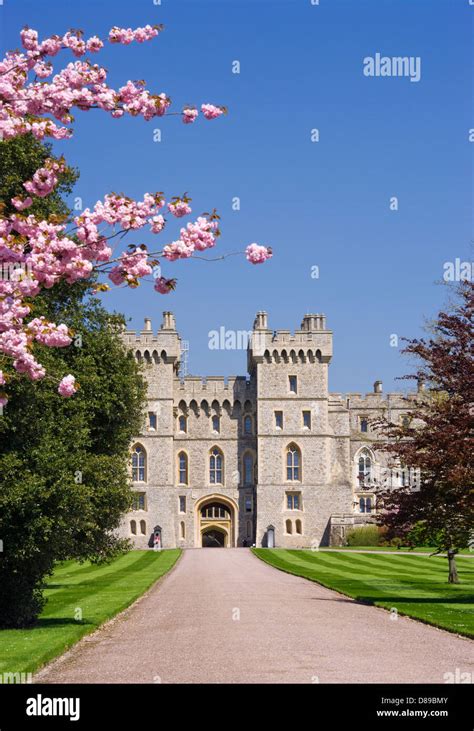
304, 474
153, 449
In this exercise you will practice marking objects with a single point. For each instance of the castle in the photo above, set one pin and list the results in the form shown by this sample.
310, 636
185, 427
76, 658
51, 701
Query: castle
273, 459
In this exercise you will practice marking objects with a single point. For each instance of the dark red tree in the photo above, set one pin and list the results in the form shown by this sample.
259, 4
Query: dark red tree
438, 441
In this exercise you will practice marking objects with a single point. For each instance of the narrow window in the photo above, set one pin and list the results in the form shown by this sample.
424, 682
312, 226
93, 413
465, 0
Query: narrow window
361, 505
138, 464
279, 419
182, 424
248, 425
293, 466
298, 527
216, 467
293, 501
307, 419
216, 424
182, 503
364, 424
248, 503
133, 527
183, 468
182, 530
143, 527
289, 527
293, 382
248, 469
152, 420
365, 468
139, 501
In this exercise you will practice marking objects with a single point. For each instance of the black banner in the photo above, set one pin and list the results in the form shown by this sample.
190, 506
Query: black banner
149, 706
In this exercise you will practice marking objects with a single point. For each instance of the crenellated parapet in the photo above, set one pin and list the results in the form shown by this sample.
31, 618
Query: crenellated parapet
163, 347
312, 343
215, 393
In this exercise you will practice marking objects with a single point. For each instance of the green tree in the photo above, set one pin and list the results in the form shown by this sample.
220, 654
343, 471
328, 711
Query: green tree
64, 481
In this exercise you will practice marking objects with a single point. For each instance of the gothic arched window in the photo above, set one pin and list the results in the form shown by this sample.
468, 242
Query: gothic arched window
293, 463
216, 467
138, 464
365, 466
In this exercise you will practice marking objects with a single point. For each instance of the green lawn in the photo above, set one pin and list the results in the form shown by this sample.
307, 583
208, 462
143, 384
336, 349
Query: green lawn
99, 592
415, 585
416, 549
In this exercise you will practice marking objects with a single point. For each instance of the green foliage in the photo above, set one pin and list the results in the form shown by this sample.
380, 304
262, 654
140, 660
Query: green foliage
422, 535
64, 482
20, 157
367, 535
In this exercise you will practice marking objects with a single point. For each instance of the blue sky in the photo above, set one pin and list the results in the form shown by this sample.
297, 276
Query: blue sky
323, 204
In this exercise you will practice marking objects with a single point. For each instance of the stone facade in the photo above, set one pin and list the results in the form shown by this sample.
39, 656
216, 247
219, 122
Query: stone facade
269, 459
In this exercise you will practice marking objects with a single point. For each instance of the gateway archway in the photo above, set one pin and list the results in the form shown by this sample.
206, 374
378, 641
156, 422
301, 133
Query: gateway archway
215, 520
214, 538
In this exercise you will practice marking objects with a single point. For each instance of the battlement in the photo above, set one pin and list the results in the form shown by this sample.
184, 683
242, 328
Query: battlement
163, 346
311, 343
396, 399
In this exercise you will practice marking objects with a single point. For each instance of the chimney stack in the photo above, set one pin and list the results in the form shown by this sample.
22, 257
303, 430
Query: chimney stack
147, 324
261, 321
378, 387
313, 323
168, 321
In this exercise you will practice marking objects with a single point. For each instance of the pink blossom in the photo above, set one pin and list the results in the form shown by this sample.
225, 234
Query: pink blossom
164, 286
67, 386
94, 44
189, 115
210, 111
258, 254
179, 208
29, 39
43, 69
20, 204
157, 224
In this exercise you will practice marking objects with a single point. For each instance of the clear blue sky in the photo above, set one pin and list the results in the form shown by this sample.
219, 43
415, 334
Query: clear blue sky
320, 204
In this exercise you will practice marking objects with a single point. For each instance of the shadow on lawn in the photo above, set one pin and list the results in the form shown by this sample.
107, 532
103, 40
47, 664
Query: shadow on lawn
45, 622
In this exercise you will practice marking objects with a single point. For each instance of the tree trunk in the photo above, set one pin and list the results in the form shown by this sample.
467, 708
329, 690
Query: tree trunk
453, 572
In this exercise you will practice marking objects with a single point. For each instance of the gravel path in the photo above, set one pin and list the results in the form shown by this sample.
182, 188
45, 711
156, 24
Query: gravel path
222, 615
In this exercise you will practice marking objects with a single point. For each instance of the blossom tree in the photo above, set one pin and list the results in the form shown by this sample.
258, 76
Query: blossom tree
40, 253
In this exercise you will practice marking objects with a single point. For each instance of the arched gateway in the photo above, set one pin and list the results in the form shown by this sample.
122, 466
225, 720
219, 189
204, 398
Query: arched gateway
215, 522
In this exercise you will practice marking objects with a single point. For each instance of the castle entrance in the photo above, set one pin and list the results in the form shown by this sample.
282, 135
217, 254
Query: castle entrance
213, 538
215, 519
